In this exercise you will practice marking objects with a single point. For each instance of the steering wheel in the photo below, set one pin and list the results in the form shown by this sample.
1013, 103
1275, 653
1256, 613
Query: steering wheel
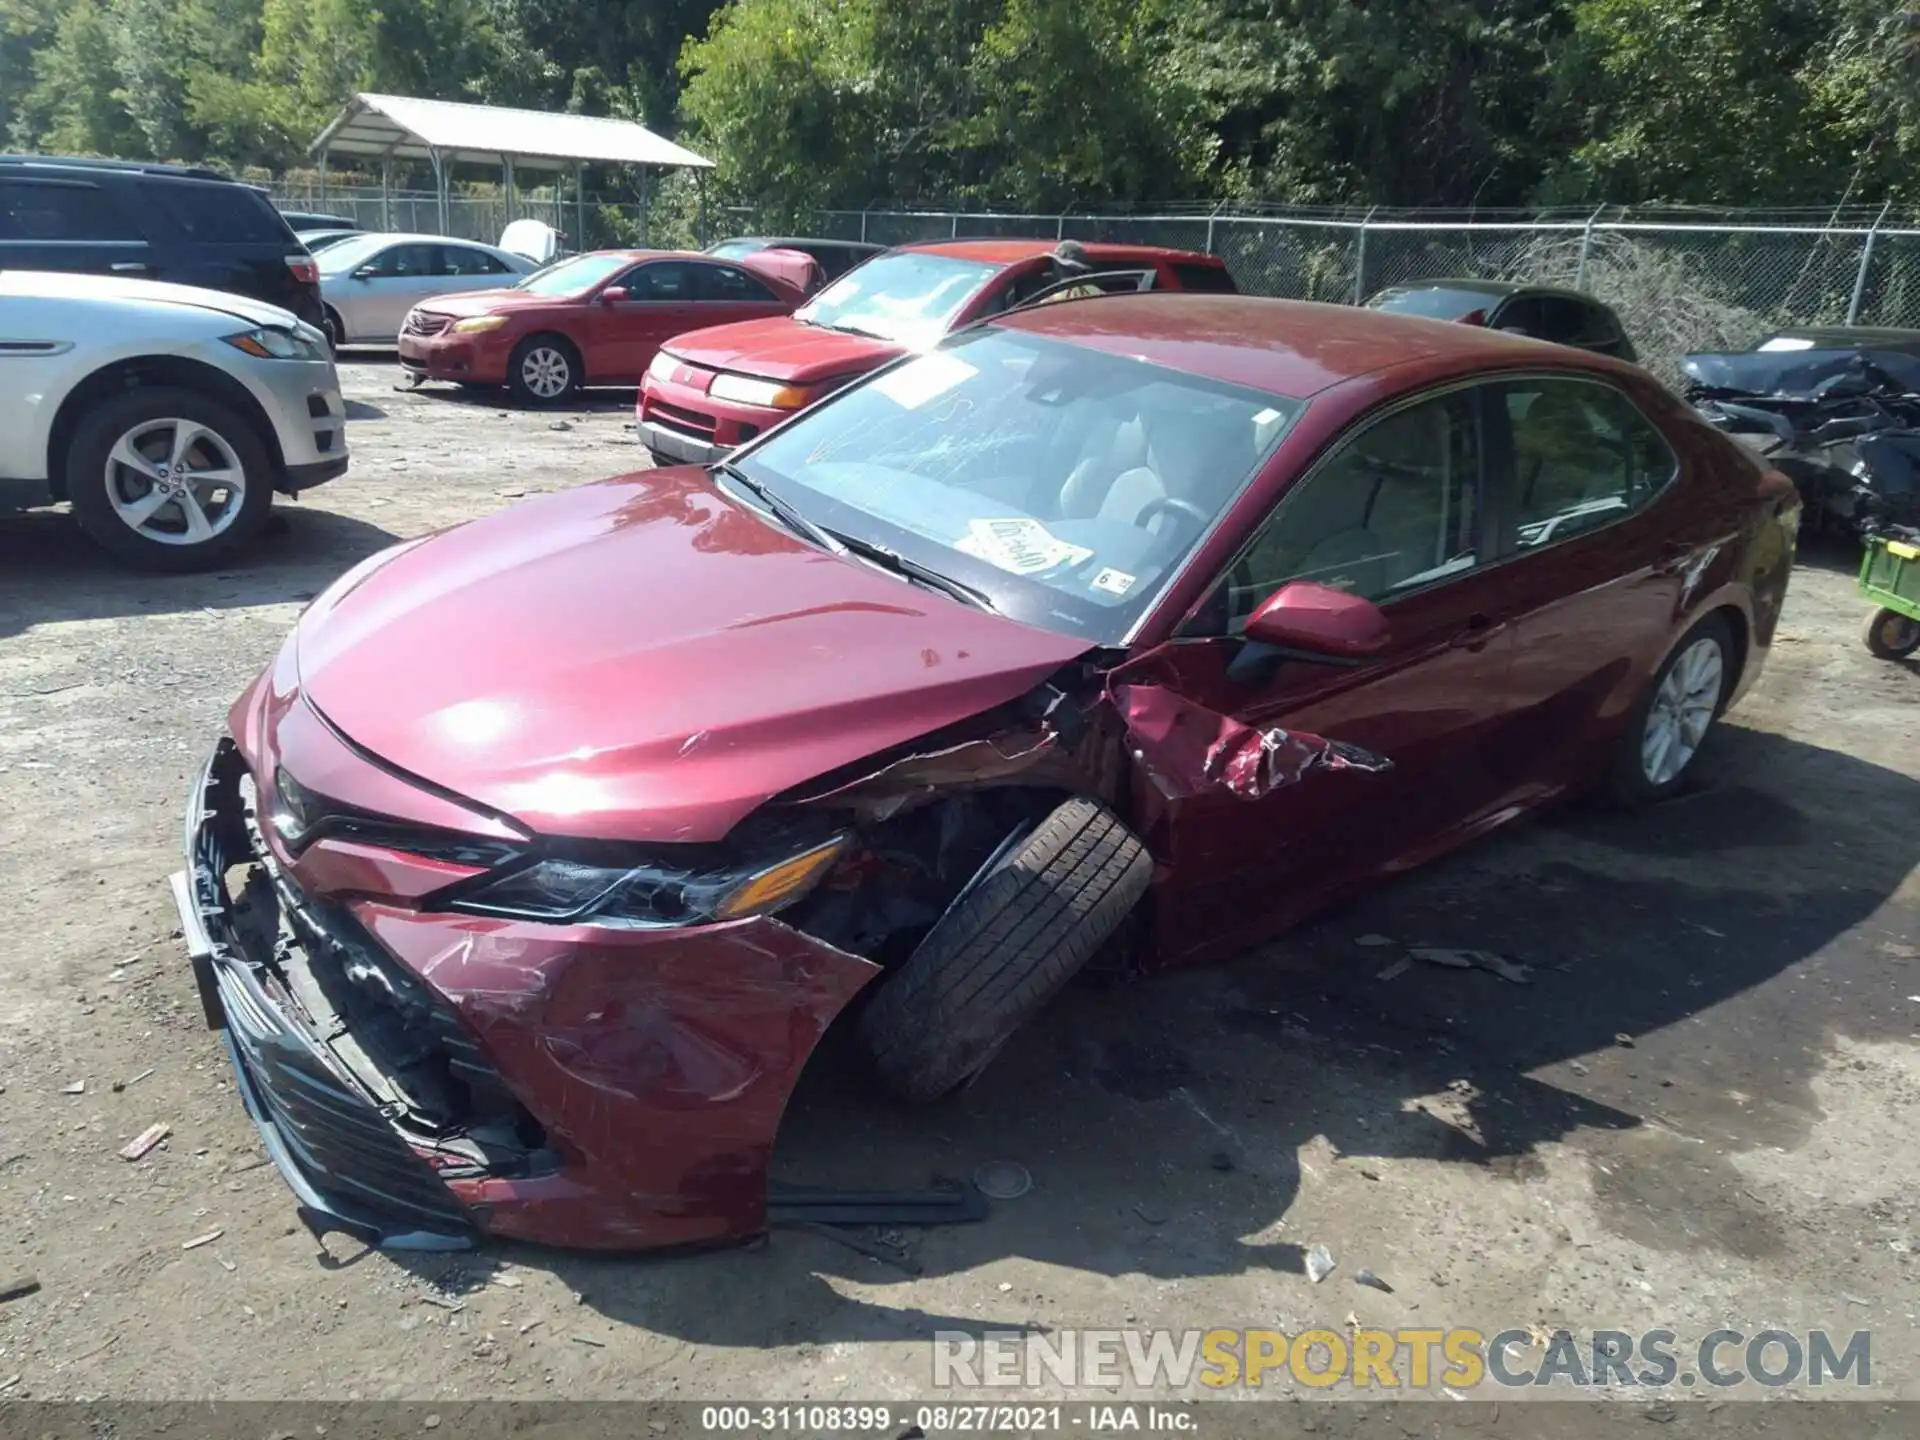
1174, 504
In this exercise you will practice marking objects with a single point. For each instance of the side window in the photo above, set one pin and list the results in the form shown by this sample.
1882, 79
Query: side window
1395, 508
406, 261
58, 210
1206, 279
662, 280
1583, 457
465, 260
730, 282
217, 211
1528, 314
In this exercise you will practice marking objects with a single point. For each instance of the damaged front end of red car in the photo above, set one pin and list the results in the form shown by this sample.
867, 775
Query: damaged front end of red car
424, 1076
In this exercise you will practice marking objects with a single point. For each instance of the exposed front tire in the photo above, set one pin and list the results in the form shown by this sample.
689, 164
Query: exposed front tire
168, 479
544, 370
1669, 726
1891, 635
1033, 916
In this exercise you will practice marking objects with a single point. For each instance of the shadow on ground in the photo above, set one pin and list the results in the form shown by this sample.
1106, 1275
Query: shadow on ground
50, 571
1710, 950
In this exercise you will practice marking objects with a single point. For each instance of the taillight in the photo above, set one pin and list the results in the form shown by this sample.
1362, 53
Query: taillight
305, 269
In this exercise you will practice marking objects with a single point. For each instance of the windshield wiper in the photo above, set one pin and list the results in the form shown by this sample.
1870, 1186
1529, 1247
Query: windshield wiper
864, 331
782, 509
913, 570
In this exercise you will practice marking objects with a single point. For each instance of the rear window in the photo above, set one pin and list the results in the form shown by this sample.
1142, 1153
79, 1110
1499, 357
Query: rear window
1434, 302
61, 210
1207, 279
214, 212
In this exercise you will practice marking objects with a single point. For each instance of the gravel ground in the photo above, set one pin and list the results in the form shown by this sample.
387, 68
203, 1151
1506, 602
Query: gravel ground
1741, 1155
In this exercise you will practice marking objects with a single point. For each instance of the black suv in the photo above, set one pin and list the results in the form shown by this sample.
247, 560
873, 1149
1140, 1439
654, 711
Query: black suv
153, 222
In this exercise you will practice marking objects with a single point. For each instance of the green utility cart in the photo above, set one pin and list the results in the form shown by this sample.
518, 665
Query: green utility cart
1890, 577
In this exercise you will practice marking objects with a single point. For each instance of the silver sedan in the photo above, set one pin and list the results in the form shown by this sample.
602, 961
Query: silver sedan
370, 283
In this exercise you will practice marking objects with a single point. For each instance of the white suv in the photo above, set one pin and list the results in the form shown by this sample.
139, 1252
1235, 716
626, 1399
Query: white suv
165, 416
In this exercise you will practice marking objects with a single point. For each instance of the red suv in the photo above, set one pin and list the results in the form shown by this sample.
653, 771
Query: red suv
710, 390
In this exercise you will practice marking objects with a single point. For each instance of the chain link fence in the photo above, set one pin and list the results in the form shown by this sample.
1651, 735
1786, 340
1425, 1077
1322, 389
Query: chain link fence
1682, 280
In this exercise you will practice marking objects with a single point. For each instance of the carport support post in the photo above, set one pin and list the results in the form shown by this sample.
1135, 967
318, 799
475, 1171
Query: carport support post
1866, 260
863, 227
1212, 215
580, 207
386, 192
439, 187
1360, 260
322, 203
1586, 249
506, 165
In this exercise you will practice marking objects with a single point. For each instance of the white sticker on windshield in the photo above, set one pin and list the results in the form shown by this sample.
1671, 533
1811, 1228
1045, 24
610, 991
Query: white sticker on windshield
1266, 417
1023, 546
919, 381
1114, 582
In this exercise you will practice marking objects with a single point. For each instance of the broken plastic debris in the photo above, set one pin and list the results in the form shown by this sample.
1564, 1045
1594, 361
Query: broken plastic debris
1623, 1040
137, 1147
1396, 969
17, 1287
199, 1240
78, 1087
1320, 1263
1188, 748
1372, 1281
1373, 940
1002, 1180
120, 1085
1505, 968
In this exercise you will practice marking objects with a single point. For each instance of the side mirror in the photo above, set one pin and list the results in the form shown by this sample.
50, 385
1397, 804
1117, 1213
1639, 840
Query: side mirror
1311, 621
613, 294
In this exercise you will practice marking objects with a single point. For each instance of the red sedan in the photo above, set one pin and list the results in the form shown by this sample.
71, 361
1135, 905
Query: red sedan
535, 865
594, 319
711, 390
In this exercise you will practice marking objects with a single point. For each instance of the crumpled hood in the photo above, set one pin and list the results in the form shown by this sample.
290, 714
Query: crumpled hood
643, 659
783, 349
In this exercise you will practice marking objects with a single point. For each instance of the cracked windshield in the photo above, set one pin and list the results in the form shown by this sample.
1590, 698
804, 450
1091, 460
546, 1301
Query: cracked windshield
1064, 484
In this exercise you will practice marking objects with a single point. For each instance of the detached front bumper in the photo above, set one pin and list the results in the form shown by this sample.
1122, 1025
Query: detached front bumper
642, 1073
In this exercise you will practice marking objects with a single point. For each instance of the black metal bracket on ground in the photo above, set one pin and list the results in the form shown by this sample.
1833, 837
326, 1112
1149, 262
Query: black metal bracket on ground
953, 1204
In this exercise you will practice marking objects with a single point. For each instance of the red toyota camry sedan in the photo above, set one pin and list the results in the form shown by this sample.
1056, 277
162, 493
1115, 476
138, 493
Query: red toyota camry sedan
594, 319
531, 870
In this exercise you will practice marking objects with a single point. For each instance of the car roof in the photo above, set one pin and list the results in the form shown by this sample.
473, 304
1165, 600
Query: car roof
1292, 348
1011, 252
774, 241
1491, 287
133, 167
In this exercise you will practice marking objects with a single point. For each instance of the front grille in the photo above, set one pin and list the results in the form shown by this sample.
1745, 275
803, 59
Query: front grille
690, 422
426, 323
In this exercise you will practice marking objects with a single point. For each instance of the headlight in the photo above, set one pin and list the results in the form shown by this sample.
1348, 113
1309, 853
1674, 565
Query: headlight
267, 343
747, 391
662, 366
651, 895
478, 324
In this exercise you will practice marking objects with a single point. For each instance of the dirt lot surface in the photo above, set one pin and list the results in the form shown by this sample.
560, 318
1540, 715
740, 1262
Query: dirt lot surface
1697, 1112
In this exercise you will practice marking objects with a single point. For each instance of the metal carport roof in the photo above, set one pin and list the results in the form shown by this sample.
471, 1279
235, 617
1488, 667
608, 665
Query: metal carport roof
443, 131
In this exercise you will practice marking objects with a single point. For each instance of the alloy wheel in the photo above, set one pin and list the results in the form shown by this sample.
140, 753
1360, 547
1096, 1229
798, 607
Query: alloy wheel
546, 373
175, 482
1682, 709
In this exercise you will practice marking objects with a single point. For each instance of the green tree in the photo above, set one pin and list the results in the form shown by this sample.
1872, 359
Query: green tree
75, 104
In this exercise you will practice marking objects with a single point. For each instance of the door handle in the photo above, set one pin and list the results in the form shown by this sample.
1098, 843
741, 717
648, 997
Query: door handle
130, 267
1479, 631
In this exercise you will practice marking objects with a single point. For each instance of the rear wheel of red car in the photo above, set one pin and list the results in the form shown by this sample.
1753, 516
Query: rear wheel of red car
1670, 724
543, 370
1032, 917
